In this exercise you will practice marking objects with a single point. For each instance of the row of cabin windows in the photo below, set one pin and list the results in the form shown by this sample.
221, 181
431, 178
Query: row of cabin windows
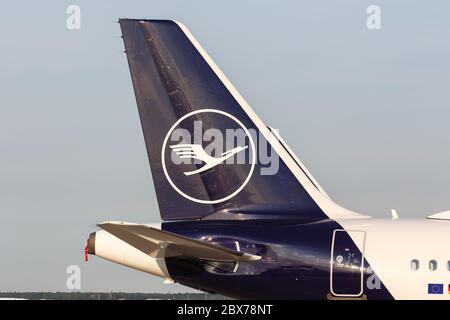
432, 265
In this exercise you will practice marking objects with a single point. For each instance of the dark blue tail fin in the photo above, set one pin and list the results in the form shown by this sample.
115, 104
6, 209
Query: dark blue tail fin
210, 154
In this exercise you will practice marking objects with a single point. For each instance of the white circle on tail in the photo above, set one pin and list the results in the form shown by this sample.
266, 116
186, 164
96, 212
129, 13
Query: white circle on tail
253, 160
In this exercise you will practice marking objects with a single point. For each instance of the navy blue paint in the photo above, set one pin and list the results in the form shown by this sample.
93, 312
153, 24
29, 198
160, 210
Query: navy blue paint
171, 79
295, 262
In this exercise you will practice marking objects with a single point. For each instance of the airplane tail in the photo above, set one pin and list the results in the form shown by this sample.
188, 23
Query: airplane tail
211, 156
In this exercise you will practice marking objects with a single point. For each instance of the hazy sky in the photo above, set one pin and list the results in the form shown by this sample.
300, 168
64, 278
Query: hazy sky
366, 111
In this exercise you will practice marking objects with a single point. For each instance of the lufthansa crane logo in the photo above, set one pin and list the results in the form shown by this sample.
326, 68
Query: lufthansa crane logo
196, 151
230, 182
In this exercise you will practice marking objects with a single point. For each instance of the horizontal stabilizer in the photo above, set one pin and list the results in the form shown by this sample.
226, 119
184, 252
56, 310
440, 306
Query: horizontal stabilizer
162, 244
444, 215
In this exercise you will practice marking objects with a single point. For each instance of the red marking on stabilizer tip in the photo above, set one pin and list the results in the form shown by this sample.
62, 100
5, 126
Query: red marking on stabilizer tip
86, 251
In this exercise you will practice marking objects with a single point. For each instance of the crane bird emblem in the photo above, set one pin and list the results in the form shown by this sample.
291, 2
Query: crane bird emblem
196, 151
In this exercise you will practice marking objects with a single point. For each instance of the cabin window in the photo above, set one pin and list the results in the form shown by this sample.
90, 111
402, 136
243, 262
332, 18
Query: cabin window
448, 265
433, 265
414, 265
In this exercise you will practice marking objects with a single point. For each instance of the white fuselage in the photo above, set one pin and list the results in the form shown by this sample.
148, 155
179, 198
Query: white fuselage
395, 248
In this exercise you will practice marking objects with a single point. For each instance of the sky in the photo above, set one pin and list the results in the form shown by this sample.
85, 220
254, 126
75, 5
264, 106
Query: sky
367, 112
